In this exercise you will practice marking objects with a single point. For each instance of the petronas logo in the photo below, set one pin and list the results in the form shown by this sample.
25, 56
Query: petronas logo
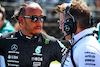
47, 41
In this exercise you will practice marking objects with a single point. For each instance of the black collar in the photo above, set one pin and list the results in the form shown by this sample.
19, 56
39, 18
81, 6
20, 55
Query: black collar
33, 38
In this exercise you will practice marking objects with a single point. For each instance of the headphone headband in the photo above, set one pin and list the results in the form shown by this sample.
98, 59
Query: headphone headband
70, 24
67, 11
67, 8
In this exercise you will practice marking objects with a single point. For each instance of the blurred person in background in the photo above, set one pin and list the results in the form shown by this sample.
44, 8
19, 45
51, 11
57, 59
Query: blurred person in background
17, 26
5, 25
29, 47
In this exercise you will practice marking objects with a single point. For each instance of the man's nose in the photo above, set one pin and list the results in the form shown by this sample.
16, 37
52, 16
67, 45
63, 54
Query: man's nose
38, 21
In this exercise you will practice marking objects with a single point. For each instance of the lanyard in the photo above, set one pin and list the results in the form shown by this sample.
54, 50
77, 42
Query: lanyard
70, 49
74, 44
82, 38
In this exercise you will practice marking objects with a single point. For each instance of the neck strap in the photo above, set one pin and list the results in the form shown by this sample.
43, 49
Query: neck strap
74, 44
82, 38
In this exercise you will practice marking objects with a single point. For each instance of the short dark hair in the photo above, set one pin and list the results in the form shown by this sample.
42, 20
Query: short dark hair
22, 10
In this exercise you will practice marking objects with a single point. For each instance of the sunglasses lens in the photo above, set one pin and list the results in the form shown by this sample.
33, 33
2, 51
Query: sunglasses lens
34, 19
43, 18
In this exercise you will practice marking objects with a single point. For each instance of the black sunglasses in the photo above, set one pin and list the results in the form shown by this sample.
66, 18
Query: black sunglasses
34, 18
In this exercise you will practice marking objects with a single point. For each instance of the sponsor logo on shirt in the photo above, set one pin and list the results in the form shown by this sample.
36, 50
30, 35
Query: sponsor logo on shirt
13, 56
38, 49
14, 47
37, 57
89, 58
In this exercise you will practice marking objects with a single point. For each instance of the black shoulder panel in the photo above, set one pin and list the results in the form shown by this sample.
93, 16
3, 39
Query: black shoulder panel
8, 34
46, 36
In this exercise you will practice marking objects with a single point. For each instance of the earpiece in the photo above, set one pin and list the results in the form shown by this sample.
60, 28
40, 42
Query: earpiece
70, 26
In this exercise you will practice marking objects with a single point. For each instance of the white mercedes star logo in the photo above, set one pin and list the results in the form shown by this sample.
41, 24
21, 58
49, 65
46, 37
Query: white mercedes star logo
67, 28
14, 47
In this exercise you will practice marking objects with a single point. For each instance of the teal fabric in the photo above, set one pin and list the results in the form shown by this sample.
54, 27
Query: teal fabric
99, 34
6, 28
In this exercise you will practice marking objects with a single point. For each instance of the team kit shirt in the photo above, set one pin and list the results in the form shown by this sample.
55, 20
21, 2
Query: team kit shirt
86, 52
23, 51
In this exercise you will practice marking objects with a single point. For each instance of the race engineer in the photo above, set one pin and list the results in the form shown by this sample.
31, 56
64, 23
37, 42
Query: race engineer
60, 9
29, 47
85, 49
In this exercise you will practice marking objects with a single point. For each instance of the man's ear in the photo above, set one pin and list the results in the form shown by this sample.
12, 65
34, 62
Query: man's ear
21, 20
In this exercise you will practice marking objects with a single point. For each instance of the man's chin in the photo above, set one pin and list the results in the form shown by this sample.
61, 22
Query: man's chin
37, 33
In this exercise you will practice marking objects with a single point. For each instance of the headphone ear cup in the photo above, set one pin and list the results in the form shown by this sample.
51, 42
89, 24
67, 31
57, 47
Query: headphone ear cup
70, 26
67, 27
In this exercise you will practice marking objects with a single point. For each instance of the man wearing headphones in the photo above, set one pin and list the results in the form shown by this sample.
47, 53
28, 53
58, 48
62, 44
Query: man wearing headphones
60, 9
85, 49
5, 25
29, 47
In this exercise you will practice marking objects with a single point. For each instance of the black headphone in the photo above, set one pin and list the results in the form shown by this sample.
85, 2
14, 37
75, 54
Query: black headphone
70, 24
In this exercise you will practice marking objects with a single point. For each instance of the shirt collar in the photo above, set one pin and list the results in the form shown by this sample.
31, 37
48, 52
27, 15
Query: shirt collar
82, 33
27, 37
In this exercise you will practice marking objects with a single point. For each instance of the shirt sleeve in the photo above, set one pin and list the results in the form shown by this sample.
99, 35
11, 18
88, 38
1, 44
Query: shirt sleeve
2, 61
88, 56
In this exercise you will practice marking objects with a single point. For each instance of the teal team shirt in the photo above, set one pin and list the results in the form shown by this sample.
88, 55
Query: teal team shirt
6, 28
99, 34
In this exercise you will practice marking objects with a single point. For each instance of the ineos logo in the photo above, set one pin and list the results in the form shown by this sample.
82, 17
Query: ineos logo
14, 47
